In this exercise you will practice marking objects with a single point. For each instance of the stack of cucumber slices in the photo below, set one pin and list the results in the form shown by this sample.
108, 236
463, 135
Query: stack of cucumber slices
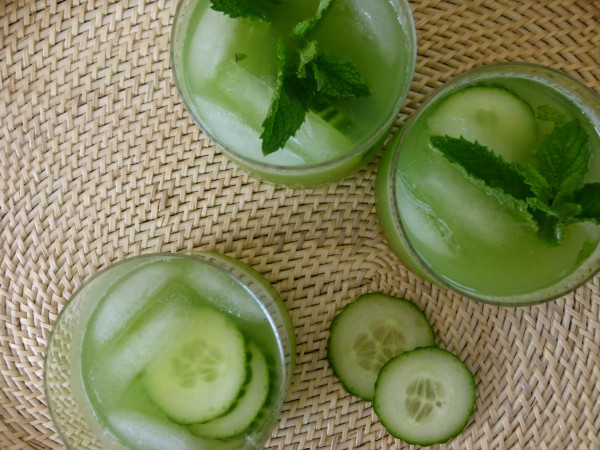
382, 349
214, 380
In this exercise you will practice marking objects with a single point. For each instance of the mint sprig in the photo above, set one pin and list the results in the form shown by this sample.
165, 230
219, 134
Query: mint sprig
551, 195
588, 197
308, 78
564, 157
288, 107
338, 77
236, 9
480, 162
306, 26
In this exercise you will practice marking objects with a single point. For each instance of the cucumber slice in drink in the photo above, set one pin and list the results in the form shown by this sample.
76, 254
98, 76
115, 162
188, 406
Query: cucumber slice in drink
369, 332
247, 407
200, 376
425, 396
493, 116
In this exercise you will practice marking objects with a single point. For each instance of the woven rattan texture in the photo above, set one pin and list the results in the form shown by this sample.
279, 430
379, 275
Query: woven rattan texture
99, 161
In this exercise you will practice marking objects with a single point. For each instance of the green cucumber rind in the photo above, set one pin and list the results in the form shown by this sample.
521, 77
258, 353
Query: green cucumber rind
514, 127
256, 391
338, 323
156, 376
460, 426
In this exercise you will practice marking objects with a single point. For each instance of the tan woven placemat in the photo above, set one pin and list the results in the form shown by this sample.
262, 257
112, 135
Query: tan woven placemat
100, 161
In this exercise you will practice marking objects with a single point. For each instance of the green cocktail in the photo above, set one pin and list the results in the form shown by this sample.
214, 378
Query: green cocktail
227, 70
516, 221
170, 351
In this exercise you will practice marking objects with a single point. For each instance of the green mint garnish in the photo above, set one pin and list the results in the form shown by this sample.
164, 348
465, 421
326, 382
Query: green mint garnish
338, 77
588, 197
306, 26
551, 195
310, 82
308, 78
288, 107
564, 157
307, 55
244, 9
550, 114
480, 162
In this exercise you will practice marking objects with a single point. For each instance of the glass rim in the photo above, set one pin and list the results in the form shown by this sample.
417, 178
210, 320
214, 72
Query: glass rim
473, 75
405, 11
284, 338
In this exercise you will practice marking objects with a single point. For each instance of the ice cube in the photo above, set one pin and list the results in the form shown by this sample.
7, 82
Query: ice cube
465, 206
318, 141
221, 44
248, 93
229, 127
225, 293
378, 23
125, 300
421, 221
209, 45
149, 432
120, 362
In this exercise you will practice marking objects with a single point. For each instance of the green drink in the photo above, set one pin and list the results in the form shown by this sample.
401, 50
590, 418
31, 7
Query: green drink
170, 351
453, 228
226, 70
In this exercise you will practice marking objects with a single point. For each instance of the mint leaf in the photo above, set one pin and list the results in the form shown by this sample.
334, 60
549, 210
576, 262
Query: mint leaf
480, 162
536, 182
334, 75
554, 194
551, 220
308, 54
551, 228
307, 77
502, 180
338, 77
306, 26
288, 107
588, 197
245, 9
563, 159
548, 113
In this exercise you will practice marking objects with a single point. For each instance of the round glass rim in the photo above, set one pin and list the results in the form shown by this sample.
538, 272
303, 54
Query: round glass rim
376, 136
472, 75
287, 371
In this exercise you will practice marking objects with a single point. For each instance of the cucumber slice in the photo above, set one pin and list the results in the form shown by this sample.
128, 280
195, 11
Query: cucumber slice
200, 376
248, 406
493, 116
369, 332
425, 396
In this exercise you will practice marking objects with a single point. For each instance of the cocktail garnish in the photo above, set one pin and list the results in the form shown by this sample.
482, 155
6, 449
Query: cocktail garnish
551, 195
308, 78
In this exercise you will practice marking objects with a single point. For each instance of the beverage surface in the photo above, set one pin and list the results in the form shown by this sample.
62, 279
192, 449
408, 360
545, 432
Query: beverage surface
230, 67
459, 228
180, 355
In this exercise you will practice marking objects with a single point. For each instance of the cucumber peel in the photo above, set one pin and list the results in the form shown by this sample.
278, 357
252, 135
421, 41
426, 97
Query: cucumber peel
425, 396
247, 406
382, 349
200, 377
369, 332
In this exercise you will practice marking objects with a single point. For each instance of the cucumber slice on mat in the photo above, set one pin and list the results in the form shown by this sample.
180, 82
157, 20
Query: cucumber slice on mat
246, 408
202, 375
369, 332
425, 396
493, 116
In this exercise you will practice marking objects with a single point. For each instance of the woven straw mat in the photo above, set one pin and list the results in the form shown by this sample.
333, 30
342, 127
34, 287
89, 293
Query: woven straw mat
100, 161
